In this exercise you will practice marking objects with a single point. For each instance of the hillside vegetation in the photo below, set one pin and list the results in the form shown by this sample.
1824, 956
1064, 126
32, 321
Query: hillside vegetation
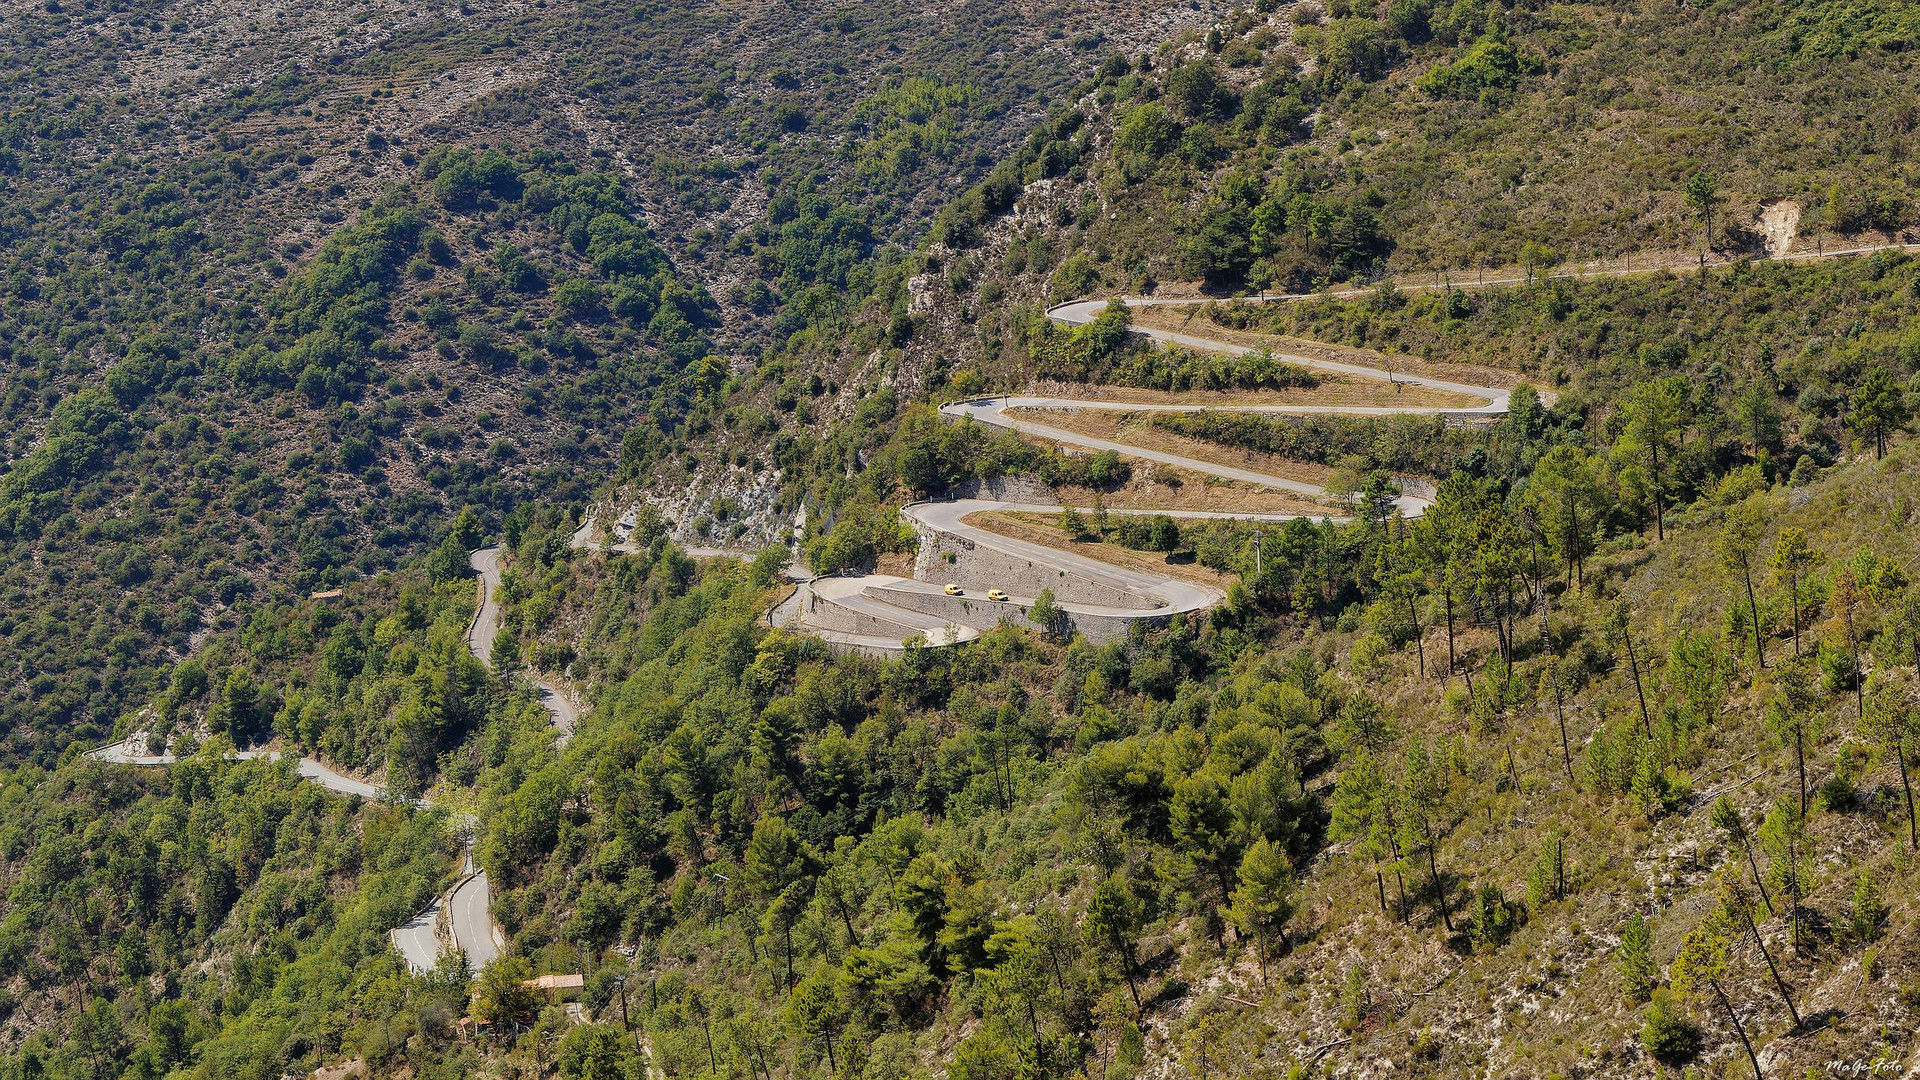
1600, 767
474, 337
1227, 843
184, 189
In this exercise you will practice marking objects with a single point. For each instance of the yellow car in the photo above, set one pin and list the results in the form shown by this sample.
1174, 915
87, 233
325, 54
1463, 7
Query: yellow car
953, 590
996, 594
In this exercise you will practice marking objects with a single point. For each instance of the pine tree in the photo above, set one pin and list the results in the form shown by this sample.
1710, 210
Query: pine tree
1737, 909
1074, 524
1790, 562
817, 1010
1363, 815
1423, 794
1702, 194
1666, 1035
1893, 724
1853, 590
1550, 680
1656, 417
1903, 626
1702, 962
1620, 636
1726, 817
1783, 836
1790, 715
1263, 900
1633, 958
1735, 545
1113, 920
1201, 822
1879, 408
1568, 498
1046, 614
1547, 877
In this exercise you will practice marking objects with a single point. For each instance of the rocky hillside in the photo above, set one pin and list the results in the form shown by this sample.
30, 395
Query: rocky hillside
183, 187
1600, 767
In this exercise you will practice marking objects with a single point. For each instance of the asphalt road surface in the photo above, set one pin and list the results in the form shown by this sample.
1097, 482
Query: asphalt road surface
486, 627
419, 945
486, 620
129, 752
471, 916
1081, 312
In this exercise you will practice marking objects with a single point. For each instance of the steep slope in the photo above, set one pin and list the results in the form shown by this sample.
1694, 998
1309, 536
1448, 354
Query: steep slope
164, 169
472, 338
1598, 768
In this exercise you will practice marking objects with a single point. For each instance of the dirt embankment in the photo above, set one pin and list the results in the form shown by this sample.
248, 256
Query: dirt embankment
1137, 429
1042, 529
1195, 319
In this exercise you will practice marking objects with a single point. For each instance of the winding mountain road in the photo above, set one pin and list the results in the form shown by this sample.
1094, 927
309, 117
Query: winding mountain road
469, 905
470, 917
879, 613
1081, 312
486, 627
126, 752
417, 939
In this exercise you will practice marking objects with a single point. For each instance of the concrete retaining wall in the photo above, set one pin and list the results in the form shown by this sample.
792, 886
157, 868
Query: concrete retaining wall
878, 652
986, 614
982, 568
825, 613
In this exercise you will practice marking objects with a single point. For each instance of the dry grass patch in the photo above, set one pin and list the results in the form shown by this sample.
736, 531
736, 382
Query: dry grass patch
1333, 389
1137, 429
1158, 486
1044, 529
1193, 319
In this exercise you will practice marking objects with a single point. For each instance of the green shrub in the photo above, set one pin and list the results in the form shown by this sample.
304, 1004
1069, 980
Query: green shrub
1491, 920
1837, 672
1489, 64
1868, 910
1667, 1035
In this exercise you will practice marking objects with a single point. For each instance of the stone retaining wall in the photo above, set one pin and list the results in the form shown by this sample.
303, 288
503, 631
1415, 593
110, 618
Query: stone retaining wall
982, 614
878, 652
981, 568
1025, 488
823, 612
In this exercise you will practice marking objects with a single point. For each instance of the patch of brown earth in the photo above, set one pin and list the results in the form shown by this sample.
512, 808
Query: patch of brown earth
1137, 429
1043, 529
1193, 319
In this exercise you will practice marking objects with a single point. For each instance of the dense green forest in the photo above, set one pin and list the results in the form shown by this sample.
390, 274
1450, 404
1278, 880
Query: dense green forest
842, 864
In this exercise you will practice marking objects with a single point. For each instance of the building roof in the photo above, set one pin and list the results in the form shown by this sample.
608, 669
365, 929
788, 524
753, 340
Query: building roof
558, 982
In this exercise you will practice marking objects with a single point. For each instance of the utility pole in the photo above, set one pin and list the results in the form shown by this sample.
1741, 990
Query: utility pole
620, 981
1258, 573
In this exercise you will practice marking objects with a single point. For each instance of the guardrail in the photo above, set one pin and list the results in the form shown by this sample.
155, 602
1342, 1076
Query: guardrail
480, 597
792, 589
